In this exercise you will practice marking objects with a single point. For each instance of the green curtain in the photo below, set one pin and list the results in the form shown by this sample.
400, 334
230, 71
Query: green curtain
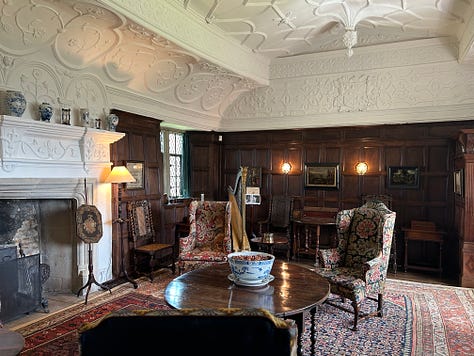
186, 166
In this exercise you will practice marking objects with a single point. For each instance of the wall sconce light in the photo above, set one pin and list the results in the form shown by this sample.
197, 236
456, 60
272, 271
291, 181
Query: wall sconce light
286, 168
362, 168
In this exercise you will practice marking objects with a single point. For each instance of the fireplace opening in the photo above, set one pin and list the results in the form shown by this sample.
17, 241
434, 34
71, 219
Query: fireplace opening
43, 227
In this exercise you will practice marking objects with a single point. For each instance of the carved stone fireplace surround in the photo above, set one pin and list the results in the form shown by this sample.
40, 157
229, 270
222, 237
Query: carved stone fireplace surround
41, 160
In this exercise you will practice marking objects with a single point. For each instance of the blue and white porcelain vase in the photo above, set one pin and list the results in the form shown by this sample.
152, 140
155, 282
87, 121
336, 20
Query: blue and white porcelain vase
112, 122
14, 103
45, 111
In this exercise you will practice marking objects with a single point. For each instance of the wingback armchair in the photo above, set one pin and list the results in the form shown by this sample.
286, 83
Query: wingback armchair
209, 239
357, 268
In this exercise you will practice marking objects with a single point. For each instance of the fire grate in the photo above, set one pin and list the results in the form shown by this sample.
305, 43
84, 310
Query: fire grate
20, 286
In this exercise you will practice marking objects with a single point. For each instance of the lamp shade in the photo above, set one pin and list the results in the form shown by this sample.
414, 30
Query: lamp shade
120, 174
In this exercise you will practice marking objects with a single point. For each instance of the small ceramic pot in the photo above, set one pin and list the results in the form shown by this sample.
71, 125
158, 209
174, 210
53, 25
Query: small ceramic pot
85, 118
13, 103
45, 112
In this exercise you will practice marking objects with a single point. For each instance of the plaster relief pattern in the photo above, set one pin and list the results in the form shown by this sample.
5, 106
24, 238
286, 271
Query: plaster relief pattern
431, 86
39, 83
87, 91
26, 27
87, 37
365, 59
95, 152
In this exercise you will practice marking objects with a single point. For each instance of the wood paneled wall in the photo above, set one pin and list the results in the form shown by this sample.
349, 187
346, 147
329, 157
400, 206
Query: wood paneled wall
427, 146
141, 143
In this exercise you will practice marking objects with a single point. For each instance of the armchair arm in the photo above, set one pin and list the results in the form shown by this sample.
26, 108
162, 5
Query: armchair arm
329, 258
373, 268
187, 243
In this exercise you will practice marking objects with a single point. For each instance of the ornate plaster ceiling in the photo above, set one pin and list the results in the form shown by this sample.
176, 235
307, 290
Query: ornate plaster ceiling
194, 58
279, 28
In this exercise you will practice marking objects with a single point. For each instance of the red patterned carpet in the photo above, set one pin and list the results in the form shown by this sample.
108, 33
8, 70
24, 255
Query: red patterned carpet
419, 319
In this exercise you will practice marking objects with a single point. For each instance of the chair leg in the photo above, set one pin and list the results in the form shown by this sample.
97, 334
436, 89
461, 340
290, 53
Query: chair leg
380, 305
150, 265
356, 314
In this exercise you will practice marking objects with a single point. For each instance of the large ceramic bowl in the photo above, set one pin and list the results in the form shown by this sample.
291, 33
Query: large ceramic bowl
251, 267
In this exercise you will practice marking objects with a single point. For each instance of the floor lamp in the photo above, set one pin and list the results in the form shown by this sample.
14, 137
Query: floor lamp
120, 175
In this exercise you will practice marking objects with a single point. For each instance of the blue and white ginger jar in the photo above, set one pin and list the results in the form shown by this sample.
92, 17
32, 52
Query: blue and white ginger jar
14, 103
112, 122
45, 111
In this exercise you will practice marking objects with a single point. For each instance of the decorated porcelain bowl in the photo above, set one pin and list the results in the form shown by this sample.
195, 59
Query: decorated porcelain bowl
251, 266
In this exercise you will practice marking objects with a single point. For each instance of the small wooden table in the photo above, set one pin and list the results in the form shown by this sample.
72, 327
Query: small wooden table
294, 291
424, 231
308, 222
268, 246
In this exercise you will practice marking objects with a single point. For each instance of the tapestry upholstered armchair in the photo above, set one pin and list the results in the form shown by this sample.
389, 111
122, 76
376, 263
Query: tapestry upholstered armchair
209, 239
357, 268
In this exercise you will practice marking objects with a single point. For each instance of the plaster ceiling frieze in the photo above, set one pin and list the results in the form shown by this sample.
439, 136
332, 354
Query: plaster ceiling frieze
87, 91
210, 85
142, 54
23, 29
180, 117
466, 43
187, 30
87, 36
397, 88
39, 83
382, 56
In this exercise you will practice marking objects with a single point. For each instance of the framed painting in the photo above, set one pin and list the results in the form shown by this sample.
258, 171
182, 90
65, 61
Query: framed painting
458, 182
136, 170
403, 178
321, 175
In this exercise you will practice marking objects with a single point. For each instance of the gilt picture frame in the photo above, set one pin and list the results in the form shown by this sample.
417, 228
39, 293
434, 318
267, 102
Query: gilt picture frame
321, 175
403, 177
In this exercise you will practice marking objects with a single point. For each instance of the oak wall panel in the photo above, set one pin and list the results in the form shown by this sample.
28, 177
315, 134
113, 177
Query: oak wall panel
427, 146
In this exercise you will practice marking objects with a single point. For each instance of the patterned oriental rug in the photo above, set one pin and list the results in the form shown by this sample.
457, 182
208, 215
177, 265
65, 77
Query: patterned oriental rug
419, 319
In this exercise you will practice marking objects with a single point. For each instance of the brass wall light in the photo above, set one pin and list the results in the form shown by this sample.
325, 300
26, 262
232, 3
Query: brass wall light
286, 168
361, 168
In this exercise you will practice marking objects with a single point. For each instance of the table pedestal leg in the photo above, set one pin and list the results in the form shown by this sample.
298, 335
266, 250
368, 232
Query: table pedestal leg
318, 231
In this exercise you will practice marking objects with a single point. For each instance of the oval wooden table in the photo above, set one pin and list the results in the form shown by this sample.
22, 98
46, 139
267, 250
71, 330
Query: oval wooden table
294, 291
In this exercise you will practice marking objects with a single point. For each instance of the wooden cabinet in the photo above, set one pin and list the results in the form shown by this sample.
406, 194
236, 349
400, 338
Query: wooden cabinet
175, 221
424, 231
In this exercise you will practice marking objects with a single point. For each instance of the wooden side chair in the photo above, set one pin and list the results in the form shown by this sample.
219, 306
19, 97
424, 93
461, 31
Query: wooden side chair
148, 254
278, 222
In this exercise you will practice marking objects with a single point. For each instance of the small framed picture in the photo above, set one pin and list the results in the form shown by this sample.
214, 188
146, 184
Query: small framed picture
252, 199
136, 170
458, 181
321, 175
403, 178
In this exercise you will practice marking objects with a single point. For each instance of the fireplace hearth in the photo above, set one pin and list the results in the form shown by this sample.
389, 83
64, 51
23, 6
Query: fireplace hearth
53, 168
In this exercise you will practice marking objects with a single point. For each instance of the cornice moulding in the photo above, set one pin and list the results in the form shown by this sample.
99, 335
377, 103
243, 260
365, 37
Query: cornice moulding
168, 114
187, 31
384, 117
